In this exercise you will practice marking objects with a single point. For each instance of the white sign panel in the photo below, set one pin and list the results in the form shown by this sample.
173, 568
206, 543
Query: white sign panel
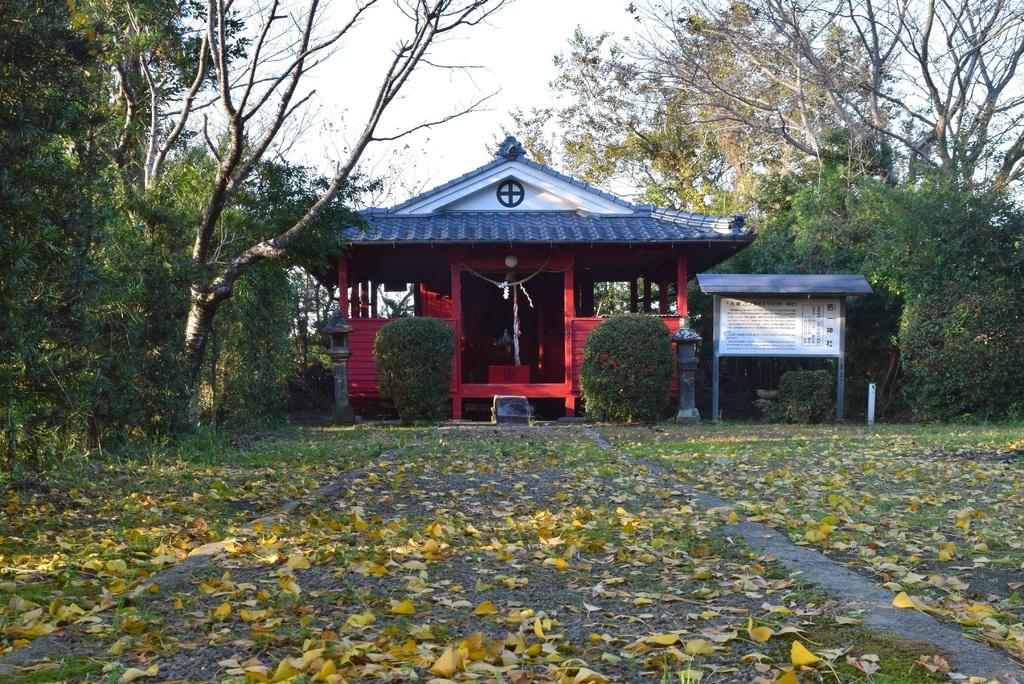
774, 326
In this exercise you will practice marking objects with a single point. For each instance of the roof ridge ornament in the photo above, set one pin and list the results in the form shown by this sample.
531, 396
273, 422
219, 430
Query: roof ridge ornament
510, 149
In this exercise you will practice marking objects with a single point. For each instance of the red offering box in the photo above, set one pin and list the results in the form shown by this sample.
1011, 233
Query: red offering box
504, 375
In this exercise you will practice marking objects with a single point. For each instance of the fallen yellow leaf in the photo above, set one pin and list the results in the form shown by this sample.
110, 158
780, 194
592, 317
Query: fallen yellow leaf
699, 647
326, 670
289, 585
133, 673
799, 655
285, 670
789, 677
761, 634
902, 600
663, 639
485, 608
297, 562
403, 608
447, 663
585, 676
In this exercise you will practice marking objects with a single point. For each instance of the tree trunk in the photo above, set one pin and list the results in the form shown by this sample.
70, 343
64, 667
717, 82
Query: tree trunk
198, 327
11, 449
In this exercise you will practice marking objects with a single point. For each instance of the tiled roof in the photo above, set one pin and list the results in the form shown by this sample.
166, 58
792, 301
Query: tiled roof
648, 224
645, 223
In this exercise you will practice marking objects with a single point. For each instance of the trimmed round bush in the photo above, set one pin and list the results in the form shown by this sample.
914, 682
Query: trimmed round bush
627, 369
414, 359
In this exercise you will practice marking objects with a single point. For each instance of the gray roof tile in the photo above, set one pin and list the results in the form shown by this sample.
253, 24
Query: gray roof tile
646, 225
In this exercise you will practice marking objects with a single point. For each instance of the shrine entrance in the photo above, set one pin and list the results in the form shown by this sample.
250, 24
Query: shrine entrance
488, 329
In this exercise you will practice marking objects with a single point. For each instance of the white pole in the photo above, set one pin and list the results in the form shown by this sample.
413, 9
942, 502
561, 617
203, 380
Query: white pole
871, 404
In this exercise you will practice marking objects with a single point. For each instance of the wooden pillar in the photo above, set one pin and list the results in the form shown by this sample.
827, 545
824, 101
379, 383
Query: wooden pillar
682, 274
647, 295
663, 296
343, 287
417, 298
373, 299
569, 312
456, 274
632, 296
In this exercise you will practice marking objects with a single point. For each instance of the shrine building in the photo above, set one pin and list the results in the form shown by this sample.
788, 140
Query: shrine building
519, 260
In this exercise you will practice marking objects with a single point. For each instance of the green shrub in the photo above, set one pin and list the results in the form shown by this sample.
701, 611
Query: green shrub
627, 368
962, 355
414, 358
805, 396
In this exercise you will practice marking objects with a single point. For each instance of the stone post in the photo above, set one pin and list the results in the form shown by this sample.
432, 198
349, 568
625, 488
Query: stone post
336, 340
686, 339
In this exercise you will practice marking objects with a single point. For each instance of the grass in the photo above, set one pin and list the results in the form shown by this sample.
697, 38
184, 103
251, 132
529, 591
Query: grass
898, 658
937, 511
70, 668
91, 532
539, 521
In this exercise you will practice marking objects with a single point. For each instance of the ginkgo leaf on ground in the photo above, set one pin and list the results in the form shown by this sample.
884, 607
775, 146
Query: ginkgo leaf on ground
448, 663
297, 562
663, 639
904, 600
404, 607
788, 677
133, 673
485, 608
799, 655
760, 634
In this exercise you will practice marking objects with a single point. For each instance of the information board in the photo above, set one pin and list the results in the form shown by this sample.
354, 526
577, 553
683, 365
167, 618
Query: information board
774, 326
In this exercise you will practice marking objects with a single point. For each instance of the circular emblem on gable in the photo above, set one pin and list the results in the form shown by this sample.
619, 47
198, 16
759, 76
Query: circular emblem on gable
511, 193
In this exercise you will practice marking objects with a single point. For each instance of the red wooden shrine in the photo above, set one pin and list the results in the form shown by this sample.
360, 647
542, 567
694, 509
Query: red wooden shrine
451, 247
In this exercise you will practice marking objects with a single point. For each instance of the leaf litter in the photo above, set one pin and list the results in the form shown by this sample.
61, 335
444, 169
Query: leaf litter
484, 555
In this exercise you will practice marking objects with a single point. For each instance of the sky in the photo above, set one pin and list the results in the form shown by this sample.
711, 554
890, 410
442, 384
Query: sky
514, 52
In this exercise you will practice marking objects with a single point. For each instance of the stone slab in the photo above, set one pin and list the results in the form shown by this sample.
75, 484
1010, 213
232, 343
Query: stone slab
510, 409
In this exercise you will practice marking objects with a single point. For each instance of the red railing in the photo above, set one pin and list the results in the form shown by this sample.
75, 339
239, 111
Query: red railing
362, 369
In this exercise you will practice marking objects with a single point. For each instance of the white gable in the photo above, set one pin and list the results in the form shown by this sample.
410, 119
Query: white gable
534, 199
542, 192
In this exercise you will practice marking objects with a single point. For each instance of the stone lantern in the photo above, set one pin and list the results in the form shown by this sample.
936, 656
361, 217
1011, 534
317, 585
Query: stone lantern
336, 340
686, 339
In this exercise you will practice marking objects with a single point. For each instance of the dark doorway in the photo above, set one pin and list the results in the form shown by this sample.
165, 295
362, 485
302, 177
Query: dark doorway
487, 328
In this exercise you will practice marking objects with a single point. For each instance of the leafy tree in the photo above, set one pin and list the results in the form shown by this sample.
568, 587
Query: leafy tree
48, 227
620, 126
243, 70
957, 259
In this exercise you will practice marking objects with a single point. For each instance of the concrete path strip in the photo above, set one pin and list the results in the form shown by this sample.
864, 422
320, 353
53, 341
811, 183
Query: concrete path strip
177, 577
970, 657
